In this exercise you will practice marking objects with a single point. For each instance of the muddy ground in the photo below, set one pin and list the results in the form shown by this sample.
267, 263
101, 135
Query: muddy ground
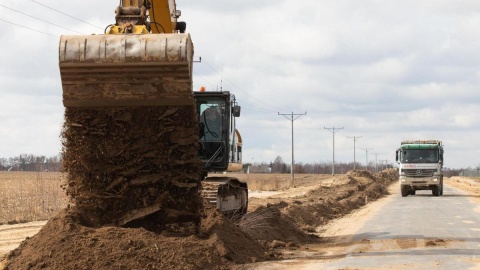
276, 224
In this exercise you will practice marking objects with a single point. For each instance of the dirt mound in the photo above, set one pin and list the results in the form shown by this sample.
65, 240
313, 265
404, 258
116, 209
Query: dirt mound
65, 244
294, 219
286, 223
267, 224
360, 173
388, 174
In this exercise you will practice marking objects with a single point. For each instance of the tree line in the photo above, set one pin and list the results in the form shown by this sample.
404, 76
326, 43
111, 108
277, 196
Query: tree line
32, 163
279, 166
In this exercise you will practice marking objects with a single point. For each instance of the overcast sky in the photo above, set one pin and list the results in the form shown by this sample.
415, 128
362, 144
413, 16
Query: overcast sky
385, 71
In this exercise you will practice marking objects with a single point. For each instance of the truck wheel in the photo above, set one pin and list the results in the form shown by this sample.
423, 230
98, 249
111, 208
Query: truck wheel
441, 188
412, 192
404, 190
435, 191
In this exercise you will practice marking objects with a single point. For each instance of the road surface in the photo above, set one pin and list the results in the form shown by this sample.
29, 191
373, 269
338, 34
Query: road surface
12, 235
415, 232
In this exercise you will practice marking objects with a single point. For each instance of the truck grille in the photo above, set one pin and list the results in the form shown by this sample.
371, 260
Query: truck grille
419, 173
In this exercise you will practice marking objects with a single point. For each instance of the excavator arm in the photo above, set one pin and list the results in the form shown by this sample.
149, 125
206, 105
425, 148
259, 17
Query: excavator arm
147, 16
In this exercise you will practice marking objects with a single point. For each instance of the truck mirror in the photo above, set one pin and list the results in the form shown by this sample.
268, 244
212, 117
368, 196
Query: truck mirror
236, 111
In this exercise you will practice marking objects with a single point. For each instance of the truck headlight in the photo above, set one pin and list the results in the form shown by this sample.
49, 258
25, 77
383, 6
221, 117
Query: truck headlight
403, 179
435, 179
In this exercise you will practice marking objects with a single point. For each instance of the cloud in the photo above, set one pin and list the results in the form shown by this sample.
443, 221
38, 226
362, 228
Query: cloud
383, 70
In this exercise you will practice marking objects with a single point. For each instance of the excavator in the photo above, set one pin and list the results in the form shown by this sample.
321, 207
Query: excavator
139, 145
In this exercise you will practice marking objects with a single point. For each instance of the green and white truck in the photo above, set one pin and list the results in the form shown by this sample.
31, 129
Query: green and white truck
420, 166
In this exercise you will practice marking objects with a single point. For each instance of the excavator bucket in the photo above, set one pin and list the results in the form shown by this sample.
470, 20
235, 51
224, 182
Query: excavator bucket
126, 70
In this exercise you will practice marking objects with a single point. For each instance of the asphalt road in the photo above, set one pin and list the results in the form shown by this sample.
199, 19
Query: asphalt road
415, 232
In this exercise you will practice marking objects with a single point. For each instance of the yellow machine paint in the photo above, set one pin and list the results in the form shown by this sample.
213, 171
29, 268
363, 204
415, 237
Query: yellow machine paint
162, 13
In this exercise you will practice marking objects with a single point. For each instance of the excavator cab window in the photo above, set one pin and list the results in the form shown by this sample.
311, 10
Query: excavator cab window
213, 130
211, 118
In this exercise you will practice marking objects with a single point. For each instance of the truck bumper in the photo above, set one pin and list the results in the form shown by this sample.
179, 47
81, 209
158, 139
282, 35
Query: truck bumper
420, 183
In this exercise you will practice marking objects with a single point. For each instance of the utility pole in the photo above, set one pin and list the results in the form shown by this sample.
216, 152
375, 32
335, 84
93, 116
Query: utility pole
376, 156
354, 140
386, 163
333, 130
292, 117
366, 157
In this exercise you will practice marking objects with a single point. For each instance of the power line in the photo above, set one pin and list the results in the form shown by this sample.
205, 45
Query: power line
29, 28
251, 107
333, 130
354, 140
67, 14
237, 86
204, 79
376, 161
41, 19
292, 117
366, 156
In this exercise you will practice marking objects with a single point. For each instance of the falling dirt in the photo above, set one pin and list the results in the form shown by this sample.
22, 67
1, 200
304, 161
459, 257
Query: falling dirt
124, 162
274, 228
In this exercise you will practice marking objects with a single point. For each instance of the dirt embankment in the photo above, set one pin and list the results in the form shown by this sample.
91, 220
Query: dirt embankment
467, 184
273, 225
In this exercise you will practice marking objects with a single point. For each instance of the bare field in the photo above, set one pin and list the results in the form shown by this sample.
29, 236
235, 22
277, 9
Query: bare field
30, 196
470, 185
277, 182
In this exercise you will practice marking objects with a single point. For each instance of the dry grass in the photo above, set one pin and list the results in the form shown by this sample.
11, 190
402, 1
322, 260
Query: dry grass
30, 196
265, 182
276, 182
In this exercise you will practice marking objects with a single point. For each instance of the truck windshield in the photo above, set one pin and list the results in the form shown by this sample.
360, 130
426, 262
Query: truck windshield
420, 156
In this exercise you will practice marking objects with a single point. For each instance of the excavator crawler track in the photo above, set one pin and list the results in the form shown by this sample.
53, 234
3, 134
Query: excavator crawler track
228, 194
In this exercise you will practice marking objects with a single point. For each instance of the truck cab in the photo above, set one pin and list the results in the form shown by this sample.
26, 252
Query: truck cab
420, 166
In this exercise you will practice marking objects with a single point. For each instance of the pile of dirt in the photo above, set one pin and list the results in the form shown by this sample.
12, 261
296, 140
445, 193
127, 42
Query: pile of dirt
293, 220
63, 243
271, 227
275, 226
125, 162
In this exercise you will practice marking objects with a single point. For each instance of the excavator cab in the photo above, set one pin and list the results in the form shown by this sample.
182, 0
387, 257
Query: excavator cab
217, 112
221, 151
